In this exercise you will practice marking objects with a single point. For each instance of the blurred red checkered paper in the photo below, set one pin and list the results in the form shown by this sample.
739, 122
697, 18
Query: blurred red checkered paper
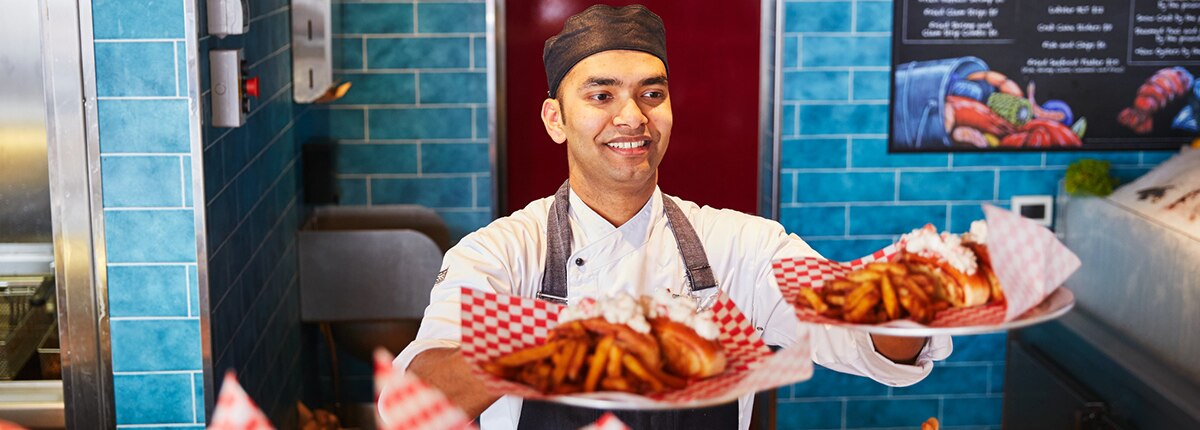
235, 410
608, 421
1028, 259
494, 325
406, 402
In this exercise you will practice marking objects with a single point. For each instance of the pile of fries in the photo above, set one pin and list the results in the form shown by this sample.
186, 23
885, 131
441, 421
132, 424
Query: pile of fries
877, 293
574, 360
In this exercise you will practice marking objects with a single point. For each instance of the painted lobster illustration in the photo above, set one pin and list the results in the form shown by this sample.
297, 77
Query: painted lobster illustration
1160, 89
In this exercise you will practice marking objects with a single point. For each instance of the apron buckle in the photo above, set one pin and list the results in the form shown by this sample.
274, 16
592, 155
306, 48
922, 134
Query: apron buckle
552, 298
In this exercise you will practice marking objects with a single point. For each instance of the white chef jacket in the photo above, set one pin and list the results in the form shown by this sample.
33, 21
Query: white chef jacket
508, 256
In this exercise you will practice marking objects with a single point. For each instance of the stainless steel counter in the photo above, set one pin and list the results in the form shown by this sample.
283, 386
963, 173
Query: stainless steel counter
1140, 277
34, 404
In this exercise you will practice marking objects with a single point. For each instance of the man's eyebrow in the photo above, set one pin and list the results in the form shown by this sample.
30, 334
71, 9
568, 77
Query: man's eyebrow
657, 80
599, 81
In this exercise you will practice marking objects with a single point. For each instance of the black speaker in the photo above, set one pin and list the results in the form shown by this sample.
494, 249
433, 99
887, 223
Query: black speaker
319, 158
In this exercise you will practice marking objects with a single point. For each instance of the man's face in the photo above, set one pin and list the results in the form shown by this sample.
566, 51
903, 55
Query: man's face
615, 115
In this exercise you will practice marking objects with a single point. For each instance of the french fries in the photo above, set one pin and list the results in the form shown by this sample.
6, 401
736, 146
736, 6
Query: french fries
598, 365
574, 360
876, 293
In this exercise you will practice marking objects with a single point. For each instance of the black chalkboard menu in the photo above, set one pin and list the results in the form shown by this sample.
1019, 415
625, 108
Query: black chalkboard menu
981, 75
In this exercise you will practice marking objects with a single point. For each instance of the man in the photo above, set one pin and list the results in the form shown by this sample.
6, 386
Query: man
610, 229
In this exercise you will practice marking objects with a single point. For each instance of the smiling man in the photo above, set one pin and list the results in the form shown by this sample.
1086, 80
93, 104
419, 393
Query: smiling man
610, 229
617, 130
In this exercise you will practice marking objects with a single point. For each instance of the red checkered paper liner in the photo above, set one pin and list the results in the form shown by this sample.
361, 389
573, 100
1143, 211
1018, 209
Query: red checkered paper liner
608, 421
406, 402
1027, 259
235, 410
494, 325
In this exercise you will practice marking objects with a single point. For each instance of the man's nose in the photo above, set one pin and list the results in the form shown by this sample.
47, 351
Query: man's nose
630, 114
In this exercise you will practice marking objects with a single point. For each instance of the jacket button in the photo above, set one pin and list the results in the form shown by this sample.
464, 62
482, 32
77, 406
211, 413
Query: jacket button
578, 261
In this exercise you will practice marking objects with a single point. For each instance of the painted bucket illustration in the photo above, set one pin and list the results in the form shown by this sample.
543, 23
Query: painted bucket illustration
918, 117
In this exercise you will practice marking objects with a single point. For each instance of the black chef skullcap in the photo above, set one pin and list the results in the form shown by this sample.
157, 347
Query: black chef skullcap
602, 28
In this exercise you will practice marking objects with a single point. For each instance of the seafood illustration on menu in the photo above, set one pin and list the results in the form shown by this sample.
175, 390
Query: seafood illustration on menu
1001, 75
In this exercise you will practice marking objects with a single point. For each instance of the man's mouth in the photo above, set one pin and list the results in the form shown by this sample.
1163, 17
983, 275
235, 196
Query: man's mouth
628, 145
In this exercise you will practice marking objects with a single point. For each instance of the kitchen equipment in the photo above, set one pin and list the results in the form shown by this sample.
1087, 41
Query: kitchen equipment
26, 317
1125, 358
49, 355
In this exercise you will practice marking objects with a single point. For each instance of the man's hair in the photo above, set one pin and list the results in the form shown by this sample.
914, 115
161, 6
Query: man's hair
602, 28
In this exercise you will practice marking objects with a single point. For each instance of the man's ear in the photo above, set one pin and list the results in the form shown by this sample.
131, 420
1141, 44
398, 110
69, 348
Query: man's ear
552, 118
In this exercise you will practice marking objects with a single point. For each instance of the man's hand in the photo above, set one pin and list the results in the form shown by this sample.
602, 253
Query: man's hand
446, 370
901, 350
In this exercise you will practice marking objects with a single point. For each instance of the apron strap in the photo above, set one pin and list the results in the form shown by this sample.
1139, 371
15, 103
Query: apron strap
699, 273
558, 247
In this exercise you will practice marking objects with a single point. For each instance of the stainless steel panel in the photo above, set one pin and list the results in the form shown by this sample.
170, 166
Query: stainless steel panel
366, 275
495, 98
770, 107
374, 263
17, 259
192, 78
496, 102
312, 49
36, 404
24, 182
1138, 276
69, 79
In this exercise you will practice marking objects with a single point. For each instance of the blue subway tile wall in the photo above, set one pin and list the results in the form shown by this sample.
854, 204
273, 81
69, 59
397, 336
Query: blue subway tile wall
140, 125
134, 68
253, 210
414, 127
155, 398
144, 112
843, 193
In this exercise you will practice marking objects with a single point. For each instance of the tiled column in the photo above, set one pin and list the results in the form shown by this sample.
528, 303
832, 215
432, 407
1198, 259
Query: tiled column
414, 127
145, 125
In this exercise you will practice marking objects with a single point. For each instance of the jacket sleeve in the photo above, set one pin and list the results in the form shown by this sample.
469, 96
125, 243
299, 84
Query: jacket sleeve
472, 263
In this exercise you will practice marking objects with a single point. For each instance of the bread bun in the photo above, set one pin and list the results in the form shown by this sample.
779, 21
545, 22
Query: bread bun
686, 353
985, 266
642, 345
958, 288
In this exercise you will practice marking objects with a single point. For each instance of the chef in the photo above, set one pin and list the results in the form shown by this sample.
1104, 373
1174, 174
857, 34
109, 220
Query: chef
609, 228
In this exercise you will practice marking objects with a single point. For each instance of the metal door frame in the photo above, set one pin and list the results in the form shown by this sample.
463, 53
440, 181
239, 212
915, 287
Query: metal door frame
69, 73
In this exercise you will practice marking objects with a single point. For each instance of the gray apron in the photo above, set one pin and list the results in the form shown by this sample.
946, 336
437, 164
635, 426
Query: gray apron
543, 415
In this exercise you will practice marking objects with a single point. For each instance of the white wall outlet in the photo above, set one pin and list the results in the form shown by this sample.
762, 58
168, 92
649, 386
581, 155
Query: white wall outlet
1038, 208
226, 17
229, 107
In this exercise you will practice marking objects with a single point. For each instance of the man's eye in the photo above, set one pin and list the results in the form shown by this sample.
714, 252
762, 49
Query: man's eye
601, 97
654, 94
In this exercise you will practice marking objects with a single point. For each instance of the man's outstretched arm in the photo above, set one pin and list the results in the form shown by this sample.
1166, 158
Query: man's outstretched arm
446, 370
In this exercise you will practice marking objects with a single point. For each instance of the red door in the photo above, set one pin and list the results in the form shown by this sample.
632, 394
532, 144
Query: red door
713, 52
